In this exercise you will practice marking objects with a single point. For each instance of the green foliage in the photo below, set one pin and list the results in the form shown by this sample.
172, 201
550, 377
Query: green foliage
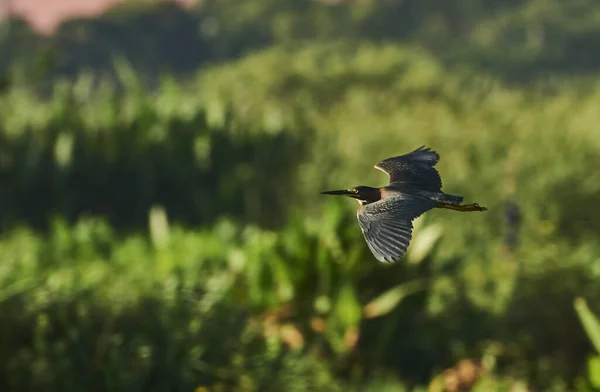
274, 288
590, 322
591, 325
100, 152
84, 305
516, 40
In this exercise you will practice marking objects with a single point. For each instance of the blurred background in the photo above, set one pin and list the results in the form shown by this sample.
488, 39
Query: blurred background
161, 227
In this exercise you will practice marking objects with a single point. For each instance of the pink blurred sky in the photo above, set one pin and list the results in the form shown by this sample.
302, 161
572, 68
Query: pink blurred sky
45, 15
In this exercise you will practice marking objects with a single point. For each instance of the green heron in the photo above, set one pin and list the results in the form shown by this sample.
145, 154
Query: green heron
385, 214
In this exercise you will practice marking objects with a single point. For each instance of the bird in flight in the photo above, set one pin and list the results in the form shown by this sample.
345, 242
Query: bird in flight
385, 214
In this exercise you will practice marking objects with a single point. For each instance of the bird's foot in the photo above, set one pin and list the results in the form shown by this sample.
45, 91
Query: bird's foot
464, 207
475, 207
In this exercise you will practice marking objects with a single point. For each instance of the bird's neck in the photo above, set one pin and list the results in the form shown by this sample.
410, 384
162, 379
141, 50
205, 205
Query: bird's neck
370, 196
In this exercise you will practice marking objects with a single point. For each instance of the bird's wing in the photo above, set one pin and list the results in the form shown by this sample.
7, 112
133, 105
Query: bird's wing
387, 224
414, 168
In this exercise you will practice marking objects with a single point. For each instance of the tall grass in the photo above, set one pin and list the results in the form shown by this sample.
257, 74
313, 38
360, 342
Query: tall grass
249, 279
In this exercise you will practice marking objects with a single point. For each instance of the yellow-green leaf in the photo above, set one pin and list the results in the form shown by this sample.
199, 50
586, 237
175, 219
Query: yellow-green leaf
590, 322
387, 301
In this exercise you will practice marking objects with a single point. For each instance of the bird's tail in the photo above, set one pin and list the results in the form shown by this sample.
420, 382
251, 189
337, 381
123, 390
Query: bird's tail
451, 199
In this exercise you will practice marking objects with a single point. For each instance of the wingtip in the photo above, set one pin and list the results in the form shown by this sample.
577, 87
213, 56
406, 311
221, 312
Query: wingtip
389, 259
424, 148
415, 154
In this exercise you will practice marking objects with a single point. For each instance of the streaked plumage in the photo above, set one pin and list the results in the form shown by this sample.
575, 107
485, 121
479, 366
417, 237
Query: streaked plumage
387, 224
386, 214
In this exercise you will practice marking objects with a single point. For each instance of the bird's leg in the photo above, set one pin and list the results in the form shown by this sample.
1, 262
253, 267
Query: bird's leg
464, 207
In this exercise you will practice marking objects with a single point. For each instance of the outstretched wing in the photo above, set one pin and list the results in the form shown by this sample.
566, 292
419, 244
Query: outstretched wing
414, 168
387, 224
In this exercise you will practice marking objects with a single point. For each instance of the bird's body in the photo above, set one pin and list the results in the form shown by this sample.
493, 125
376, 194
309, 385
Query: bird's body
385, 214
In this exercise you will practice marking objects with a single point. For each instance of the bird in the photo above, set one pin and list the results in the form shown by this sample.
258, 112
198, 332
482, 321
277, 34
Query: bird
385, 214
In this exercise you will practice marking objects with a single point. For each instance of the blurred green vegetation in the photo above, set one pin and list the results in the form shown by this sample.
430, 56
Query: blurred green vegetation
514, 40
592, 327
171, 236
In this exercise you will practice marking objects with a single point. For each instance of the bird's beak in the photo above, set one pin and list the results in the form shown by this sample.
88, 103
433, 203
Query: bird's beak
339, 193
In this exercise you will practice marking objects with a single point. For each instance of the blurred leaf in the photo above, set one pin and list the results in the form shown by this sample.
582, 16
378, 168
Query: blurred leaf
347, 308
322, 304
590, 322
159, 226
292, 336
63, 149
387, 301
423, 242
594, 370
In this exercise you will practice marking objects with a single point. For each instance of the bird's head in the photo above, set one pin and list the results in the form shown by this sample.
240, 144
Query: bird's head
364, 194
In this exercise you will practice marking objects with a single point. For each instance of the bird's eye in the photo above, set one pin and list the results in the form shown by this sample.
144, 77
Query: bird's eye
355, 191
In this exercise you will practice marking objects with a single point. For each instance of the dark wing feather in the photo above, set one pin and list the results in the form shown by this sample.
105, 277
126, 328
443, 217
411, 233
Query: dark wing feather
414, 168
387, 224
